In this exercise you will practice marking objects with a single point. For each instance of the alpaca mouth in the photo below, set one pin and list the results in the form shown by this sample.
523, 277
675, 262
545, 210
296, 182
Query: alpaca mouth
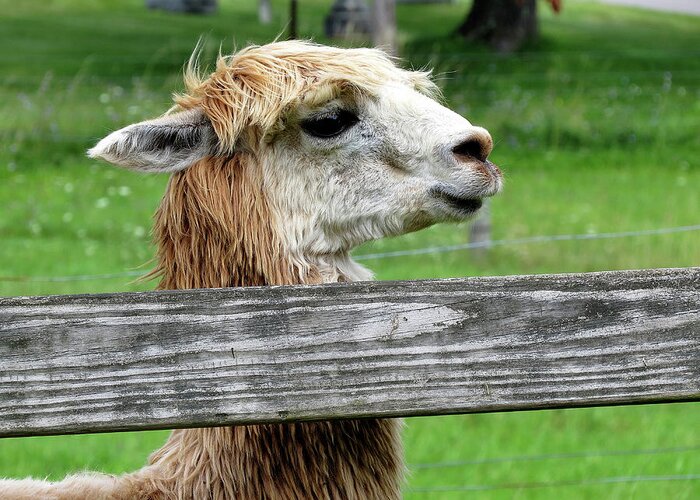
454, 200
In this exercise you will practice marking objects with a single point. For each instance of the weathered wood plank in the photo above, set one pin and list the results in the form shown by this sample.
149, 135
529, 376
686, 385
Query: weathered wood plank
91, 363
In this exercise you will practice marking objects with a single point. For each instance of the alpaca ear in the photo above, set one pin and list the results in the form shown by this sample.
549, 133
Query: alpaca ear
167, 144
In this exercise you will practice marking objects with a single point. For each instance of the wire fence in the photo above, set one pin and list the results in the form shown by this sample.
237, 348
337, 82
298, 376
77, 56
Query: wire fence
529, 239
398, 253
623, 53
534, 75
180, 55
416, 468
555, 456
554, 484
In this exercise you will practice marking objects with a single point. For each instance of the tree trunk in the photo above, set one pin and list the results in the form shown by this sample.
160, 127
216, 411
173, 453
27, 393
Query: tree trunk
480, 231
384, 25
503, 24
347, 19
293, 17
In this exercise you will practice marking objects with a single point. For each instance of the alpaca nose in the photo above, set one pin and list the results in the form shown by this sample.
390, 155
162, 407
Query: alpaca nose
476, 146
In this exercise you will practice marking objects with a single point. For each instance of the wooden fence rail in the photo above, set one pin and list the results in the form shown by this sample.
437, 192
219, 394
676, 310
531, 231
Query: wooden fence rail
129, 361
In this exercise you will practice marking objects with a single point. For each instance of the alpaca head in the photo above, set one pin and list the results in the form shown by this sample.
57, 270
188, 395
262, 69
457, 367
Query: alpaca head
347, 146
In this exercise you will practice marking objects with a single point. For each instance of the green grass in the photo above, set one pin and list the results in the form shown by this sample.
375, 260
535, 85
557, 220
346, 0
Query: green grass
596, 128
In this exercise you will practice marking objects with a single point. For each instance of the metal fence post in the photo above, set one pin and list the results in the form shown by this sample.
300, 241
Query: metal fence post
264, 12
480, 230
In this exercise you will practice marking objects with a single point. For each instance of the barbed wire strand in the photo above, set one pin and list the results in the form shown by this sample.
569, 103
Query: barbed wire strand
529, 239
178, 56
554, 484
554, 456
75, 277
595, 79
397, 253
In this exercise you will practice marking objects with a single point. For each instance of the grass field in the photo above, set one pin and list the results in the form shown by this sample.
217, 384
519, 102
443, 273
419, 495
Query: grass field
597, 128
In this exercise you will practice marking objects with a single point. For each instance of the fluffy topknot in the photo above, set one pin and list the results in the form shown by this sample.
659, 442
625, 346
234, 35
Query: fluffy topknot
253, 87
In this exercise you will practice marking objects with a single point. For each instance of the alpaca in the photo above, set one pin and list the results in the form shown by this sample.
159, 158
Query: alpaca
282, 160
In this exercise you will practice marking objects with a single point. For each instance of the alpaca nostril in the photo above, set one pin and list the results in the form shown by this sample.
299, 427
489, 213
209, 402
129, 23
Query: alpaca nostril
477, 146
471, 148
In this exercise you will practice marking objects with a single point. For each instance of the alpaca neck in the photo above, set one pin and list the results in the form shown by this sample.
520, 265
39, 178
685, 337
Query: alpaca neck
214, 229
354, 459
335, 268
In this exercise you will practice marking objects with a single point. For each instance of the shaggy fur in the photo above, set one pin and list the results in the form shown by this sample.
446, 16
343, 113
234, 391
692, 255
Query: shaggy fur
349, 459
213, 229
254, 200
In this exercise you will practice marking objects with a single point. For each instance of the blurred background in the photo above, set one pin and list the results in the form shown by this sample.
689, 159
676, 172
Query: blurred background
595, 112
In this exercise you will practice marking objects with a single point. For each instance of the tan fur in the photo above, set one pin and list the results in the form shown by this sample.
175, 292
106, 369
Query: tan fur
214, 229
349, 460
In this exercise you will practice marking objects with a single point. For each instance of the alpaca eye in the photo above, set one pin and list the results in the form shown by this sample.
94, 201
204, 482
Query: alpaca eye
329, 125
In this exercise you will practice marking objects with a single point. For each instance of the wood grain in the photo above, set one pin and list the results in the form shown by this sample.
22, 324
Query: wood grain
94, 363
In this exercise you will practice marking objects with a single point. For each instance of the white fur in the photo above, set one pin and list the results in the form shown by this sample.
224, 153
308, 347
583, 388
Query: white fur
375, 179
332, 194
